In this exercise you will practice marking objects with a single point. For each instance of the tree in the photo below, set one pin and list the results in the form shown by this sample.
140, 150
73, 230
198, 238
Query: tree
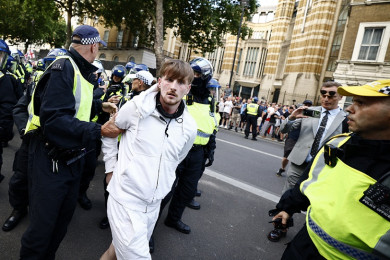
31, 21
200, 23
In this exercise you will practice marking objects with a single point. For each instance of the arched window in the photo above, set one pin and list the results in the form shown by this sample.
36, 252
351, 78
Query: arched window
115, 58
132, 59
102, 56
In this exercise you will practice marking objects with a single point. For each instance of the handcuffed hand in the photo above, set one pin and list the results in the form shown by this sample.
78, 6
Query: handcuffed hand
109, 129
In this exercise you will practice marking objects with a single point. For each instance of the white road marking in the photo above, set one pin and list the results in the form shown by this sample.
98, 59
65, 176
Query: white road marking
244, 186
251, 149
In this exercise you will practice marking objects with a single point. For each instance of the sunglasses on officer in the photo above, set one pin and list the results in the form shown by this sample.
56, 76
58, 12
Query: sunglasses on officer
329, 94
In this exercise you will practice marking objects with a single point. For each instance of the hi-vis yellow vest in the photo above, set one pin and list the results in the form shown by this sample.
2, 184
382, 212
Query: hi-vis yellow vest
339, 225
83, 94
37, 76
20, 73
205, 121
252, 109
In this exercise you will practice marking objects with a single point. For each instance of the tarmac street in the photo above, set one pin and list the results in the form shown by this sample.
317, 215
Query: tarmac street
237, 192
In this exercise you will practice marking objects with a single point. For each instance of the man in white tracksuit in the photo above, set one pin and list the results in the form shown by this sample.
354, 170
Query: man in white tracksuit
157, 133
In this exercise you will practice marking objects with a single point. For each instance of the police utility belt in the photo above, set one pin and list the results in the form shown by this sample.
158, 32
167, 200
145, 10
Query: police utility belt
68, 156
377, 196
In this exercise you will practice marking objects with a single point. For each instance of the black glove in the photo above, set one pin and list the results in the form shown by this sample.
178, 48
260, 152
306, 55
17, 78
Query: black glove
210, 158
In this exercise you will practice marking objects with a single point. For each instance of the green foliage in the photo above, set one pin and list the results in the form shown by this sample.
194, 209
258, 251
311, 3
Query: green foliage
31, 21
200, 23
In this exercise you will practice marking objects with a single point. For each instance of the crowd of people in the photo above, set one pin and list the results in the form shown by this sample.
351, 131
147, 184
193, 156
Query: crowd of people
158, 135
268, 119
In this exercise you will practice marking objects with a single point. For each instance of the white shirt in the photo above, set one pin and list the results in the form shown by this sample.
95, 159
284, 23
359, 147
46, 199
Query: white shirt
228, 107
332, 115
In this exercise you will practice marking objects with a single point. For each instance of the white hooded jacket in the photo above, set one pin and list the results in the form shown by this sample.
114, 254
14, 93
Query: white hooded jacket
149, 152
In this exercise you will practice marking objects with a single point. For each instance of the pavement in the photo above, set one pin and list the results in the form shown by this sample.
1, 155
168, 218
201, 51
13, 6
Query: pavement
231, 224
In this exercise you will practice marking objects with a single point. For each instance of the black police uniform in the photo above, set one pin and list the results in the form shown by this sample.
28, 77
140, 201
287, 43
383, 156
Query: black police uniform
53, 188
368, 156
8, 98
188, 173
18, 184
251, 120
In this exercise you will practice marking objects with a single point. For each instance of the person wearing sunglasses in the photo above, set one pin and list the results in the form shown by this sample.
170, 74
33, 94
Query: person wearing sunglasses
313, 134
345, 191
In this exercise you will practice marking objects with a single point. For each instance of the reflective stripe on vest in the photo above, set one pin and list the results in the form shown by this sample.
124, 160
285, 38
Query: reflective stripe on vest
205, 122
20, 75
1, 74
83, 94
252, 109
339, 225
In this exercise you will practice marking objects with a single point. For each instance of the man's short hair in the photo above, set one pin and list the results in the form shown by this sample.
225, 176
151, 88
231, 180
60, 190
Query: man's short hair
330, 84
177, 69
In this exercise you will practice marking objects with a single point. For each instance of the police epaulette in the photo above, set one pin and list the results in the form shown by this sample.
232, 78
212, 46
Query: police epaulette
58, 64
340, 135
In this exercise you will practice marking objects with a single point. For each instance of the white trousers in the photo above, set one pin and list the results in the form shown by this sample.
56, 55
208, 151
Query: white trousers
131, 230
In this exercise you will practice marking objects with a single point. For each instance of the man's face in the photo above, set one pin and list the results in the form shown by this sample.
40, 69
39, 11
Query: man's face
116, 79
136, 84
172, 90
370, 117
330, 98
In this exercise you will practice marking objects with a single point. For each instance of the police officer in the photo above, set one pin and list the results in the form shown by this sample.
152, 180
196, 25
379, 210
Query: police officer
8, 99
190, 169
59, 118
253, 112
18, 184
346, 189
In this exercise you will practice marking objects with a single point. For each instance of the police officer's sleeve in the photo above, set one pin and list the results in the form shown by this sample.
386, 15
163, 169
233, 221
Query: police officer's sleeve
57, 112
7, 102
20, 113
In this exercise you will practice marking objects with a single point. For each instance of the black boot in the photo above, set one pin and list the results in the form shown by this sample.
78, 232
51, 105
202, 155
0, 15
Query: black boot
84, 201
14, 219
104, 223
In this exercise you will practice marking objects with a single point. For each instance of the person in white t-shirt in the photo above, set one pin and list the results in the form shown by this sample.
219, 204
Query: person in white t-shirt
227, 110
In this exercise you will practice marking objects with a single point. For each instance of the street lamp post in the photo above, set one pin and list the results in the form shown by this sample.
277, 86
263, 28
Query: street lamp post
243, 3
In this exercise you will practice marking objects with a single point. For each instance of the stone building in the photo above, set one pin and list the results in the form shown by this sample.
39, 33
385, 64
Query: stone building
364, 54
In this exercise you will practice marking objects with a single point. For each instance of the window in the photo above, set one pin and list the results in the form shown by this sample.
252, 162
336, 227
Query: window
250, 61
102, 56
119, 39
239, 61
263, 59
213, 58
132, 59
106, 34
115, 58
338, 37
221, 54
371, 42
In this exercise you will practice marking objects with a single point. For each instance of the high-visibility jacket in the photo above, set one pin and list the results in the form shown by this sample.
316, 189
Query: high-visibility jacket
37, 76
82, 91
205, 121
340, 226
20, 73
252, 109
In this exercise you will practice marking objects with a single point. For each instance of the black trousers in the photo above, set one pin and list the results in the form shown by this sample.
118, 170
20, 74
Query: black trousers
1, 157
18, 184
53, 198
251, 121
188, 174
90, 166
